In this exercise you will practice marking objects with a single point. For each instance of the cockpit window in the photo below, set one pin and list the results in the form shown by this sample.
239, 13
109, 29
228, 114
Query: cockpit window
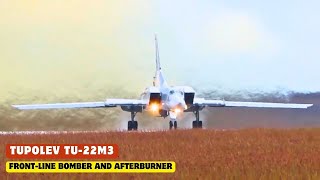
175, 92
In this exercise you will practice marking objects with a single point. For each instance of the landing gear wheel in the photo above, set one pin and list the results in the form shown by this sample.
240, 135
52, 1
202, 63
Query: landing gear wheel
132, 125
175, 124
200, 124
170, 125
135, 125
197, 124
194, 124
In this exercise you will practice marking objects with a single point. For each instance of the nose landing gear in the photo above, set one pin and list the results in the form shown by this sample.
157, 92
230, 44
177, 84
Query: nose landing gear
173, 120
173, 124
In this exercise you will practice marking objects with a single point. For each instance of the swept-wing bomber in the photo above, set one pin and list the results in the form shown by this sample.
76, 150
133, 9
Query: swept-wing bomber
163, 101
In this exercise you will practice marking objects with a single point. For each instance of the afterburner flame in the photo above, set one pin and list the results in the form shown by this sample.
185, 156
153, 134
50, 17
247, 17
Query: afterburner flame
177, 110
154, 107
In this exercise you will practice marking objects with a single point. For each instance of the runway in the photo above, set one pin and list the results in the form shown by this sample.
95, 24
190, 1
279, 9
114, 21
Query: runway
3, 133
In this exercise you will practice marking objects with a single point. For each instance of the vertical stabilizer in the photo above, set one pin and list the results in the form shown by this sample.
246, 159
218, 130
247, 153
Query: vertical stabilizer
158, 67
159, 78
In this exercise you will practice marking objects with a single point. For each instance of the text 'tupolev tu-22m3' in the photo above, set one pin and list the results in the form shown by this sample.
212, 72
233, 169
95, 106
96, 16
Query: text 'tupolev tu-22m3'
163, 100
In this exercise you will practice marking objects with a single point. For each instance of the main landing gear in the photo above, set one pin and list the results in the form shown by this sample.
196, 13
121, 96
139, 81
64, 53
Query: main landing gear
197, 123
132, 124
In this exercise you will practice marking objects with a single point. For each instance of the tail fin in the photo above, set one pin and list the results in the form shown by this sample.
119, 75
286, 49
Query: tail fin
159, 78
158, 67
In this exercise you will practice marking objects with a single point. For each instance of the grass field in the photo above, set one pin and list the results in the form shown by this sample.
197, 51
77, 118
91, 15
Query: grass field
199, 154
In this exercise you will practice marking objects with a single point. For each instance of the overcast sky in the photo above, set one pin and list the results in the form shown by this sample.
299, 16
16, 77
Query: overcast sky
80, 47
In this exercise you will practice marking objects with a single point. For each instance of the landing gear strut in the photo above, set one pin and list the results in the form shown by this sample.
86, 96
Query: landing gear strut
173, 120
197, 123
132, 124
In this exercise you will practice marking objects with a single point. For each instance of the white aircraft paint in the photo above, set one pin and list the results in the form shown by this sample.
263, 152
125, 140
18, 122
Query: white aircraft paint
163, 100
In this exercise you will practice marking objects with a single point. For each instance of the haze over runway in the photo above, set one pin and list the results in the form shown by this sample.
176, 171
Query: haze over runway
51, 50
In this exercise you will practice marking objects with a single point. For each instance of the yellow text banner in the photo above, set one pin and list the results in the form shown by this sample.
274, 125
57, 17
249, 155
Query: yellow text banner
90, 166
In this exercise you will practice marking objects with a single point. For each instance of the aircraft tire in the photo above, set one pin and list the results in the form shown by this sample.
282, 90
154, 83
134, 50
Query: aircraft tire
129, 125
170, 125
200, 124
194, 124
197, 124
135, 125
175, 125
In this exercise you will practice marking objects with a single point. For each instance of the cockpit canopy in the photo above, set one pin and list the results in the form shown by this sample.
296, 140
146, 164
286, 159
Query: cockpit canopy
173, 91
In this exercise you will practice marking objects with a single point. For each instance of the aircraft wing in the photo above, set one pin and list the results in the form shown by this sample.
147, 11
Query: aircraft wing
222, 103
101, 104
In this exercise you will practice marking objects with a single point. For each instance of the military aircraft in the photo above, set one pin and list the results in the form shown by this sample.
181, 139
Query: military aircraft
163, 101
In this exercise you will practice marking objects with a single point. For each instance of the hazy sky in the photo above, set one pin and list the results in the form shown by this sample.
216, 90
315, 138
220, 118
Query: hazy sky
80, 48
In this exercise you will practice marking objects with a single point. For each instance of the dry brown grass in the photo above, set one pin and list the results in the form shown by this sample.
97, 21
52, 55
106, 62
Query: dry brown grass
199, 154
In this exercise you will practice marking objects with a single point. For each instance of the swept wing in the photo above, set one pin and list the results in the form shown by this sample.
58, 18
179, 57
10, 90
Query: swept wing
100, 104
221, 103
